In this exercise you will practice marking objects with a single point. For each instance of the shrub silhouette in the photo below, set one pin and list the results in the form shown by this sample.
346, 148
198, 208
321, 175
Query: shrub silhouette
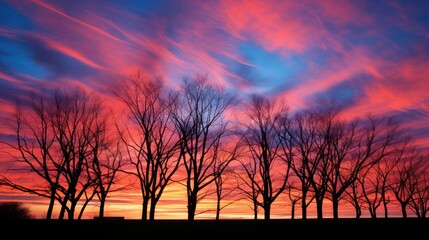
14, 210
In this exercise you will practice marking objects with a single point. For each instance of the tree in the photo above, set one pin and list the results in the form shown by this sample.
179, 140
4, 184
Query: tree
106, 166
340, 174
152, 143
406, 176
318, 160
358, 147
354, 195
14, 210
379, 178
247, 186
308, 163
294, 197
53, 139
225, 154
76, 119
266, 173
420, 200
371, 183
198, 116
35, 150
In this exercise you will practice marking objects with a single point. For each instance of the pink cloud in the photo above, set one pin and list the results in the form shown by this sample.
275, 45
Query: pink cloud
401, 86
93, 28
10, 79
274, 26
289, 26
66, 50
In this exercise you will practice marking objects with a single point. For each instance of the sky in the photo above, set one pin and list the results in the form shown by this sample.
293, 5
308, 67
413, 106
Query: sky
372, 56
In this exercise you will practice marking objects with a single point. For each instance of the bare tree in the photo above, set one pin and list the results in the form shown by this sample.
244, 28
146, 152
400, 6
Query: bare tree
354, 195
34, 144
385, 168
371, 184
151, 141
420, 200
249, 188
199, 119
406, 176
294, 196
53, 141
373, 141
76, 120
309, 163
266, 172
340, 173
225, 154
359, 147
106, 166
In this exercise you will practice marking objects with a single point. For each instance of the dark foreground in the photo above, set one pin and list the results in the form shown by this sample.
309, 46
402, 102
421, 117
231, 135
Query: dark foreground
223, 229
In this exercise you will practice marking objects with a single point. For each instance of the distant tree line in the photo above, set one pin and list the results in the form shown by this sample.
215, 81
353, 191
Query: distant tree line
77, 151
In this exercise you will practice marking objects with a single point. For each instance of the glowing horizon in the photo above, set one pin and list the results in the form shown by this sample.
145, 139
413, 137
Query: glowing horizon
371, 56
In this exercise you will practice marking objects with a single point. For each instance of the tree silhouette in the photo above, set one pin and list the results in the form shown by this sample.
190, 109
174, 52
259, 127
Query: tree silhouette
150, 137
367, 150
64, 144
340, 173
410, 169
35, 147
225, 154
354, 195
77, 123
247, 186
376, 180
266, 173
54, 138
199, 119
294, 197
14, 210
107, 164
307, 158
420, 200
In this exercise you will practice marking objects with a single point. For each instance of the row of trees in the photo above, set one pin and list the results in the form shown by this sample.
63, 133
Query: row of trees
77, 151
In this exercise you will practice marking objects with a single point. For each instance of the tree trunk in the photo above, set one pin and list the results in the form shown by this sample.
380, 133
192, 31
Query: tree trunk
386, 214
319, 205
335, 206
152, 209
358, 211
101, 210
372, 212
144, 209
192, 205
51, 206
304, 203
63, 209
255, 210
293, 210
217, 208
71, 211
267, 211
404, 210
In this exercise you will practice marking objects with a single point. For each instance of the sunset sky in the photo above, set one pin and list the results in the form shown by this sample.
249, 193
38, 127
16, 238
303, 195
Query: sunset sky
372, 56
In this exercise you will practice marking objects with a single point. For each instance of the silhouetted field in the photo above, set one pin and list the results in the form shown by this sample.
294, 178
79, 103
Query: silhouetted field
223, 229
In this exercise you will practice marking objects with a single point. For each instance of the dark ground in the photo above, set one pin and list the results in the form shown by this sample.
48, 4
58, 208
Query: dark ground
410, 228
